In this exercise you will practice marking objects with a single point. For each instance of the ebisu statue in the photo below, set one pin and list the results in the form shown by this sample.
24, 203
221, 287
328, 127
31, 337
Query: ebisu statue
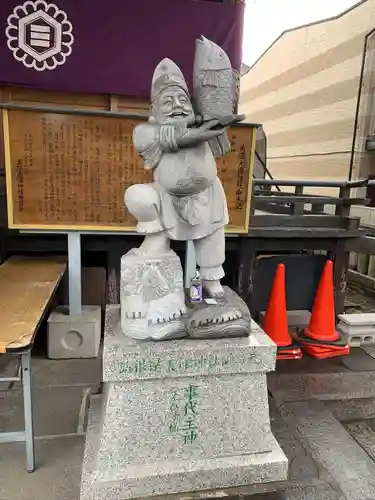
185, 201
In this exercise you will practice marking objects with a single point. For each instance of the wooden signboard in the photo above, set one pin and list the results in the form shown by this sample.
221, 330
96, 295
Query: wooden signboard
70, 171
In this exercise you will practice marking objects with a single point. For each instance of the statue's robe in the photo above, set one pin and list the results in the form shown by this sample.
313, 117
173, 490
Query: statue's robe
193, 203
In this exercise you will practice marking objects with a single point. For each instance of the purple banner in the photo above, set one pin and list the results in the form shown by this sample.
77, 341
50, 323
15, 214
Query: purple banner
109, 46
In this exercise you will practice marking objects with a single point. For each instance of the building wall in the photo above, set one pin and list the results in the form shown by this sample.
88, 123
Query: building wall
304, 90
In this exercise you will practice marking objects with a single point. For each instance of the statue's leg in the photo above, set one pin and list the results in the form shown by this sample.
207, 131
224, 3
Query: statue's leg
210, 255
143, 202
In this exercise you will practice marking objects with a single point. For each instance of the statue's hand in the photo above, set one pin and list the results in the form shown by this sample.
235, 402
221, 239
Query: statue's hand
203, 133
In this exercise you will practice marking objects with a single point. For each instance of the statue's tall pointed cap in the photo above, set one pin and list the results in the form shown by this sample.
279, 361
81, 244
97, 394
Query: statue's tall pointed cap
167, 74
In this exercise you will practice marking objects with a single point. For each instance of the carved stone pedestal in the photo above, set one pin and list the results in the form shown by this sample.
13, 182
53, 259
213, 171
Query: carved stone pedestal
180, 416
152, 296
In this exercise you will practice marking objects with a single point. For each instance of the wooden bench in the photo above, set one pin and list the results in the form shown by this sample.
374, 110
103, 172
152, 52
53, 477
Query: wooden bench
27, 286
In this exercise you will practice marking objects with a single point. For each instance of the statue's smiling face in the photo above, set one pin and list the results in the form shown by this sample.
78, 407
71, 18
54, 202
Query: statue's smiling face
173, 105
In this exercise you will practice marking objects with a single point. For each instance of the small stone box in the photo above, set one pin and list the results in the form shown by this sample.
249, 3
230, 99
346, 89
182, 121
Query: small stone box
297, 318
181, 416
359, 329
74, 336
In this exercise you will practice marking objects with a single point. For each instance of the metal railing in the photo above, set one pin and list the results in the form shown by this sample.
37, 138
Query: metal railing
293, 208
295, 202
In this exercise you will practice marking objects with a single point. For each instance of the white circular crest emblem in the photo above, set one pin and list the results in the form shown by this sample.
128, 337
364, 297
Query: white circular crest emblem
39, 35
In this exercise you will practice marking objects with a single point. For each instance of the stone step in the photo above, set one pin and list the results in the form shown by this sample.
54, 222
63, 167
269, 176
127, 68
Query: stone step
298, 492
322, 386
364, 435
346, 410
331, 445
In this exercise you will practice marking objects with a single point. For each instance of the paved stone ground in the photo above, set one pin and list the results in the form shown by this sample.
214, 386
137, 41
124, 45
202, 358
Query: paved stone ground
322, 414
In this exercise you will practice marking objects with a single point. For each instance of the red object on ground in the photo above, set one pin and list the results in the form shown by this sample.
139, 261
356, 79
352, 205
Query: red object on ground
321, 352
291, 353
321, 339
322, 322
276, 319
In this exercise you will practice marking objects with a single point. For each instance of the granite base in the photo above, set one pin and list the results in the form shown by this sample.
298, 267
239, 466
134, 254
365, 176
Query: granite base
178, 478
181, 416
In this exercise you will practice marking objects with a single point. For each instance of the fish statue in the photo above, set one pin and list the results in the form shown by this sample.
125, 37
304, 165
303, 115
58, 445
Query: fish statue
216, 90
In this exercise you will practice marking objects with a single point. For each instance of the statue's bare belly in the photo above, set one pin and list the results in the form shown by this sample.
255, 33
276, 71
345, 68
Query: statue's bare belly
186, 172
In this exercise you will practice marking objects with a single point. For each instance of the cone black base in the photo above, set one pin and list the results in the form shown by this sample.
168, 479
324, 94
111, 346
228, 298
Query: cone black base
340, 342
323, 349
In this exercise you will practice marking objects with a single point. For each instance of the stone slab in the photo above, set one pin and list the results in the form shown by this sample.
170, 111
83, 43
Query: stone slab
296, 492
302, 467
370, 350
179, 476
301, 492
352, 409
308, 365
294, 387
312, 492
330, 444
358, 361
127, 359
363, 319
364, 435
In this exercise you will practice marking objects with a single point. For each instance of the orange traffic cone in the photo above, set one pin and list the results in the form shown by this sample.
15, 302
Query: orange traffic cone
321, 339
322, 322
276, 320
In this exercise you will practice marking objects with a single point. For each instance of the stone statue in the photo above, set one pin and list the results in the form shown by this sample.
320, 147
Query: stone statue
186, 200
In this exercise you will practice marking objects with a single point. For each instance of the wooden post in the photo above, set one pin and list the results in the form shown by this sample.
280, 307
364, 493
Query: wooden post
343, 210
340, 275
297, 208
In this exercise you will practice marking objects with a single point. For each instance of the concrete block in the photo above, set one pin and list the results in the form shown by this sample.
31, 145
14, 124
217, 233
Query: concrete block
357, 337
356, 320
371, 266
298, 318
362, 264
364, 213
353, 260
361, 279
359, 329
74, 336
371, 212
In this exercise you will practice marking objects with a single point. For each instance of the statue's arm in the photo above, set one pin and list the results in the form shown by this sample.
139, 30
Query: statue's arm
147, 143
151, 140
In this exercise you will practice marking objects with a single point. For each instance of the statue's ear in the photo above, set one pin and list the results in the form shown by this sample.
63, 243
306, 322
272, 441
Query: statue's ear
151, 114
